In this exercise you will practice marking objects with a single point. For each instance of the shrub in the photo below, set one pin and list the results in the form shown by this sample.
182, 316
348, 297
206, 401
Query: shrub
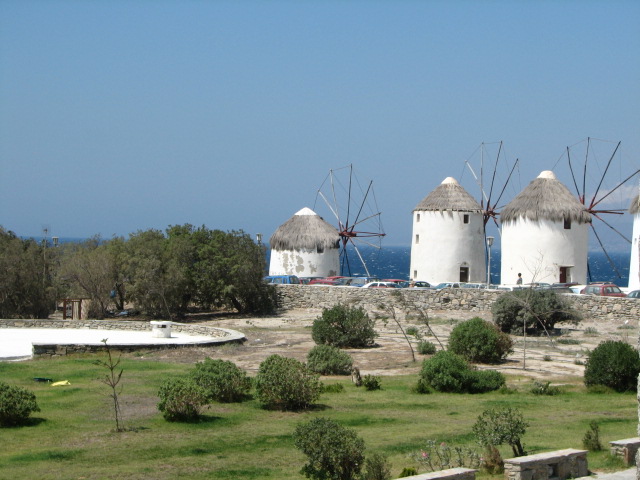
448, 372
591, 439
408, 472
332, 388
181, 400
329, 360
16, 405
426, 347
222, 380
544, 388
613, 364
480, 341
539, 310
371, 382
377, 467
343, 326
286, 383
333, 452
500, 426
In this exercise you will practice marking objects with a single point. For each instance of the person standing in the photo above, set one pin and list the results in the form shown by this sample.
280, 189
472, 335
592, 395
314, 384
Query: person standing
519, 281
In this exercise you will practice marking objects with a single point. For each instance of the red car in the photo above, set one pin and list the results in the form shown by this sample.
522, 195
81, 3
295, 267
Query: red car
603, 289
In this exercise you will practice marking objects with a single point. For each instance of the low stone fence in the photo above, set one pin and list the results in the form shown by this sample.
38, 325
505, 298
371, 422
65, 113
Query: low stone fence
625, 449
557, 465
451, 474
448, 299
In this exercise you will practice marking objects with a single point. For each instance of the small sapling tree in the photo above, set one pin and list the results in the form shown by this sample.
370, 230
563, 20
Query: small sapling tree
112, 380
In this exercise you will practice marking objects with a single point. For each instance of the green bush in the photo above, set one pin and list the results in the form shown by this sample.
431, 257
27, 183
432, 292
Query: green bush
501, 426
448, 372
591, 439
376, 467
539, 310
181, 400
408, 472
480, 341
343, 326
544, 388
371, 382
426, 347
333, 451
614, 364
222, 380
329, 360
332, 388
287, 384
16, 405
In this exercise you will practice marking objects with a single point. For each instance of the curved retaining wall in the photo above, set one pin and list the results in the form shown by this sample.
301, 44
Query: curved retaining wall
449, 299
40, 349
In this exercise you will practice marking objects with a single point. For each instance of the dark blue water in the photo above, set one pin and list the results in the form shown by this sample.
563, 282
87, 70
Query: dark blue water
393, 262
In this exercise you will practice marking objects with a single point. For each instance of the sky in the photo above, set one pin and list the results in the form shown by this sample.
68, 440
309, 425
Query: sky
119, 116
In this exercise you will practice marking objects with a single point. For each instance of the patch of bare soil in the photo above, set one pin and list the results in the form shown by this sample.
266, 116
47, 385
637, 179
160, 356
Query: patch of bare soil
555, 358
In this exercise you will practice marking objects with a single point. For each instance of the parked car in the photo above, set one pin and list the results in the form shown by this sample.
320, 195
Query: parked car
399, 283
361, 281
475, 285
442, 285
282, 279
603, 289
420, 284
634, 294
325, 281
306, 280
380, 285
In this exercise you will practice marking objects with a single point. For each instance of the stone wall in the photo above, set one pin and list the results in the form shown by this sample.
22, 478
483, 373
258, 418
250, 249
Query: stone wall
449, 299
450, 474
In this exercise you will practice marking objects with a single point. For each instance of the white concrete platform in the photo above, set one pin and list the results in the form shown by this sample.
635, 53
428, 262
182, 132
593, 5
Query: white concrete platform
16, 343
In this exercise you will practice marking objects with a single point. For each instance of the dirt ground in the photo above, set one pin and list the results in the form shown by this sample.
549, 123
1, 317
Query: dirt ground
557, 358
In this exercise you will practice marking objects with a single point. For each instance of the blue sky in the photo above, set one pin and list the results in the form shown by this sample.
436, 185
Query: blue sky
118, 116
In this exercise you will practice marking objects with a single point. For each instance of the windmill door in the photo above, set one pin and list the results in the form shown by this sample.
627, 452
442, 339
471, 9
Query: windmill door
464, 274
564, 275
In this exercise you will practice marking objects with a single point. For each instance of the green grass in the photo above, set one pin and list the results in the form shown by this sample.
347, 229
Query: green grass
72, 437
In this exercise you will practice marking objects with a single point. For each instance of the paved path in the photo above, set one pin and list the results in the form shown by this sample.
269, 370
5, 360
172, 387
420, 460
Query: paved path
15, 343
629, 474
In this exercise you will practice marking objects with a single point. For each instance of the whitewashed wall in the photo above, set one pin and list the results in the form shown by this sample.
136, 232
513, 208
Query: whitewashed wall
305, 263
442, 243
539, 249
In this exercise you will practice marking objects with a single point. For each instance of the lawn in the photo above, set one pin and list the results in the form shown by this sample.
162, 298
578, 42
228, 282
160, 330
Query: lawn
72, 437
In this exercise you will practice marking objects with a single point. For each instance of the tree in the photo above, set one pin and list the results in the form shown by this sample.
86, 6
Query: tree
88, 270
333, 451
499, 426
532, 310
26, 287
228, 272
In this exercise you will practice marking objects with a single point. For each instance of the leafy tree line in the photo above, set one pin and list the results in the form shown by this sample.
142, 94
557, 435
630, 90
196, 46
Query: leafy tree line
162, 274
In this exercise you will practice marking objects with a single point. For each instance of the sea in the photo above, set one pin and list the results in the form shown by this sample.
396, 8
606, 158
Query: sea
393, 262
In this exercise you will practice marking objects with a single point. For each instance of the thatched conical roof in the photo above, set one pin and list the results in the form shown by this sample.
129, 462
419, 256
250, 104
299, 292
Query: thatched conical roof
305, 231
449, 196
635, 205
545, 198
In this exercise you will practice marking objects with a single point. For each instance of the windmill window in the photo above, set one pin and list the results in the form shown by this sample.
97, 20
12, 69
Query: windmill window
417, 239
465, 218
320, 249
415, 274
567, 223
417, 217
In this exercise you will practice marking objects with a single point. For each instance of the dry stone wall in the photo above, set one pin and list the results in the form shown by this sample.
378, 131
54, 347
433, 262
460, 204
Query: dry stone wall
449, 299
